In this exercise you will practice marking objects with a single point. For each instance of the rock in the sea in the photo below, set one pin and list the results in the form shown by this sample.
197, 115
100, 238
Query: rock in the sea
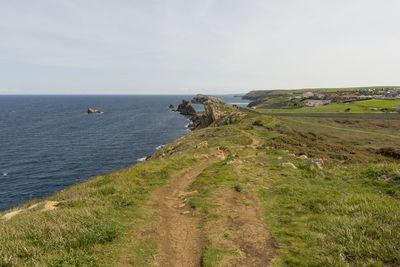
171, 106
93, 110
200, 99
186, 108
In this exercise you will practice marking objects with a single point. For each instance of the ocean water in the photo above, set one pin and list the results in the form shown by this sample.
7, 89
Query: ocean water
48, 143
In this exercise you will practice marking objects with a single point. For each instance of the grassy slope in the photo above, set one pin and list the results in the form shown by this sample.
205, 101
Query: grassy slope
343, 89
345, 214
355, 107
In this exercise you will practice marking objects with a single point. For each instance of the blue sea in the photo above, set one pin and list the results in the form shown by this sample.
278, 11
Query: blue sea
48, 143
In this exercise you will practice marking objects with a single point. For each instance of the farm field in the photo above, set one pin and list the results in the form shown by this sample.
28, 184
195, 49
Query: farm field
353, 107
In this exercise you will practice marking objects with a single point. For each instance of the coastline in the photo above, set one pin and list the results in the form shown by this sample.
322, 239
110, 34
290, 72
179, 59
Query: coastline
218, 185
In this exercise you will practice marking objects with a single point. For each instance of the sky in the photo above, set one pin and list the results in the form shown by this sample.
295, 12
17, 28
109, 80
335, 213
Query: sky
192, 46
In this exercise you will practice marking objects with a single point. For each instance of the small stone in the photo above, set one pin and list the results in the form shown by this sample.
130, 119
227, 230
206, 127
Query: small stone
289, 164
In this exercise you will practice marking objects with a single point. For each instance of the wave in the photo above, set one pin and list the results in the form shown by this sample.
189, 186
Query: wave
160, 146
141, 159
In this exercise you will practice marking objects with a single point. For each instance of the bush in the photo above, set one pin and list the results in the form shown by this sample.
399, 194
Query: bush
258, 123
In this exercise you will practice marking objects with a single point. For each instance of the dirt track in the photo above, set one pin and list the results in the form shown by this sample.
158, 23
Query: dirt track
180, 241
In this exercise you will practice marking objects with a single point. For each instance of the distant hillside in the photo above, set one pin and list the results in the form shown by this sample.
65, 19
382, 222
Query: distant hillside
257, 94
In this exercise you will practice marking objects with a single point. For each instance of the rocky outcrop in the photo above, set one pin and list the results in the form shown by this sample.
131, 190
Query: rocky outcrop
217, 115
93, 110
201, 99
186, 108
171, 106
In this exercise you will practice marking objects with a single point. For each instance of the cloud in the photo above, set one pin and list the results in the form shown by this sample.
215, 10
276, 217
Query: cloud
217, 46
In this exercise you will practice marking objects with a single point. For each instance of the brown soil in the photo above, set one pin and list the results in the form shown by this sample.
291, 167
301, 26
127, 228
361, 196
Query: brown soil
255, 142
241, 229
180, 241
48, 205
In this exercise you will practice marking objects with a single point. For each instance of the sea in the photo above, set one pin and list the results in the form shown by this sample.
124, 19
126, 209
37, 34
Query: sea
50, 142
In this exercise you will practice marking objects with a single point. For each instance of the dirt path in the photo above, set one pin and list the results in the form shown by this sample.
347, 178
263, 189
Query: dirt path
180, 240
243, 222
256, 142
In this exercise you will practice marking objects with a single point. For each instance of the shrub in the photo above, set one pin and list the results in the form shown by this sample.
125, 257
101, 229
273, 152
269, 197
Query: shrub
258, 123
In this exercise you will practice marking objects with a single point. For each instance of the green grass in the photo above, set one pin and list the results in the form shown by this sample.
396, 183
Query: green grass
96, 222
355, 107
325, 220
342, 89
346, 214
212, 257
379, 103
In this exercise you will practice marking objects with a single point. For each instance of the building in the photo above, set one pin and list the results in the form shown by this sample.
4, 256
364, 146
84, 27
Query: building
308, 94
314, 103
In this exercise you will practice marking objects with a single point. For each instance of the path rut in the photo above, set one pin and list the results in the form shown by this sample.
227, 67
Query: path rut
180, 241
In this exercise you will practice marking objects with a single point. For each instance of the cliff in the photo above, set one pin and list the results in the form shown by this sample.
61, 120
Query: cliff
250, 190
216, 115
186, 108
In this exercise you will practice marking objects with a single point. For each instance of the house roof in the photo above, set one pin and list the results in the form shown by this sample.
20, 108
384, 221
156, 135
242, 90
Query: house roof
315, 101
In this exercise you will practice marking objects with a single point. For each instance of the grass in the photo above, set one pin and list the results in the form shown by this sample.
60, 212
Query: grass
213, 256
95, 218
343, 89
354, 107
345, 214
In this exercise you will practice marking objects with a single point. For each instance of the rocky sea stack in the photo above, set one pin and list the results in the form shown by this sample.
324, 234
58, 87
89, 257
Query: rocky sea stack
186, 108
93, 110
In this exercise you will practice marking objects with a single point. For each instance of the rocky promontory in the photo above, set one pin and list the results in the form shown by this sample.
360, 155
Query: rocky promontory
200, 99
215, 114
186, 108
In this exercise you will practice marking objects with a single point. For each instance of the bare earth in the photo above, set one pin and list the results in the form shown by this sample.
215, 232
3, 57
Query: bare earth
181, 241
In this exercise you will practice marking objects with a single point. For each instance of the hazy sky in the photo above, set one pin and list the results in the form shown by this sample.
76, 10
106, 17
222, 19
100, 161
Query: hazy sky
190, 46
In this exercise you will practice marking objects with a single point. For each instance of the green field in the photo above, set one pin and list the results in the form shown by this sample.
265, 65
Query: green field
342, 89
355, 107
345, 213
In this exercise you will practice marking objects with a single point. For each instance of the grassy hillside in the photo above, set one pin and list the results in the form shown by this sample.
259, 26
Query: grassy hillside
353, 107
319, 192
257, 94
343, 89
